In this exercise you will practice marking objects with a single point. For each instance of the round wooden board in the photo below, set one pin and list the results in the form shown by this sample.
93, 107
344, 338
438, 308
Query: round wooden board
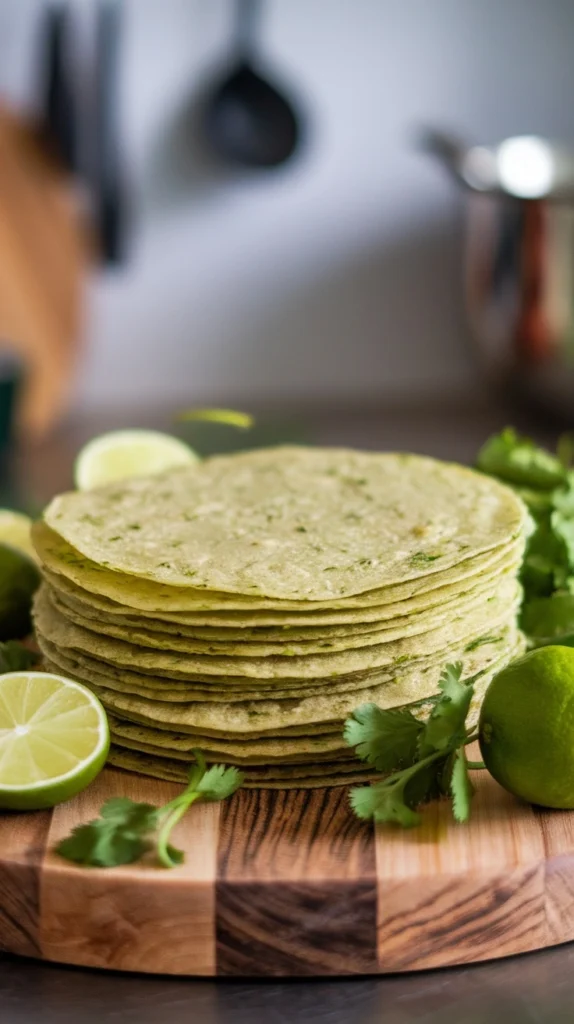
291, 884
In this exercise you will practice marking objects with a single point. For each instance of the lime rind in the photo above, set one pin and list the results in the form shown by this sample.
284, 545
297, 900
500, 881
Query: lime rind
48, 791
122, 454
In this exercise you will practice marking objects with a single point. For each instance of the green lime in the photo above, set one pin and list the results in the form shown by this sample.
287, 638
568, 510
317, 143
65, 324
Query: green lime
54, 739
19, 578
15, 531
126, 453
527, 727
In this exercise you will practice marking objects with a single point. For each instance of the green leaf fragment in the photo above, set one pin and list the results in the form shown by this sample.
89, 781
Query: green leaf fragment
15, 657
518, 460
445, 726
386, 739
219, 782
461, 787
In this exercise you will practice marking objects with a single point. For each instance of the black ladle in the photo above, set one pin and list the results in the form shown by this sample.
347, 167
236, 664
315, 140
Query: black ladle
247, 121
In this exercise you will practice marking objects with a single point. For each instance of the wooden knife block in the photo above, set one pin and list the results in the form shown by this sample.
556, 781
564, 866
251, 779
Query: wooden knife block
44, 256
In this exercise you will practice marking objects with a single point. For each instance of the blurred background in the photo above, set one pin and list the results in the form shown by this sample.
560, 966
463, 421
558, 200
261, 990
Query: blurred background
188, 232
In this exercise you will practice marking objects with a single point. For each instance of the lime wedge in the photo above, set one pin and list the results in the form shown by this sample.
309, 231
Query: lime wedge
54, 739
126, 453
19, 578
230, 417
15, 531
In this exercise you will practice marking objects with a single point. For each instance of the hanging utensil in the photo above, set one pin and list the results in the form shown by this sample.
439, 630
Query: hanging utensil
247, 120
109, 194
58, 110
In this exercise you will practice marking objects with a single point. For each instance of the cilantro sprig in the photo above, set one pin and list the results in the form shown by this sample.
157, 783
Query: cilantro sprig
425, 759
127, 830
545, 482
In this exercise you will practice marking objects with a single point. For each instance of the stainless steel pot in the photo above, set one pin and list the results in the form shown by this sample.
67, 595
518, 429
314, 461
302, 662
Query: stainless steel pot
519, 262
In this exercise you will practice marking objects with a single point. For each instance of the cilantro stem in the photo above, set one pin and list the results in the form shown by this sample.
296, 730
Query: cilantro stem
178, 808
471, 739
475, 764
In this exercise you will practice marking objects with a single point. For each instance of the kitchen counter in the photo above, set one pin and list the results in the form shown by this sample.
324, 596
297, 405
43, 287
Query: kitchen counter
537, 987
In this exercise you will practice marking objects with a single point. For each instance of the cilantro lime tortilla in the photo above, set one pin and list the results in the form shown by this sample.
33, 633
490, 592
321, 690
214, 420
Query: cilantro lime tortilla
173, 771
492, 647
270, 715
292, 523
114, 592
460, 628
330, 769
392, 629
326, 745
119, 625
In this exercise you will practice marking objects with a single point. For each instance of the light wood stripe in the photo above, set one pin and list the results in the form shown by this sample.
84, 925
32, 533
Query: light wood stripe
133, 918
451, 894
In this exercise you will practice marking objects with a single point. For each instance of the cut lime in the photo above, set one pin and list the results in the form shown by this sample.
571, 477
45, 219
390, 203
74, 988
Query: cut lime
54, 739
229, 417
15, 531
19, 578
126, 453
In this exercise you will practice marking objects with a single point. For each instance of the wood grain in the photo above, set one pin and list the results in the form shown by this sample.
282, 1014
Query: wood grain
453, 893
296, 887
23, 840
291, 884
134, 918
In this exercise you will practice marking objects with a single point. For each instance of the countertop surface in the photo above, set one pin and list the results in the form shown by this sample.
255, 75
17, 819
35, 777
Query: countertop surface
536, 987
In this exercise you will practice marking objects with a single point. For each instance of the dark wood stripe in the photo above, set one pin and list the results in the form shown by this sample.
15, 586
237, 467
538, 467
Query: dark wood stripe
461, 919
23, 840
296, 889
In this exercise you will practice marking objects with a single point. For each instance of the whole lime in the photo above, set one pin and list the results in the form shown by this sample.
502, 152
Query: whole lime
526, 727
19, 578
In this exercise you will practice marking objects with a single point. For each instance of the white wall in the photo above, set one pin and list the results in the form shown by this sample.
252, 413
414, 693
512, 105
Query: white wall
339, 276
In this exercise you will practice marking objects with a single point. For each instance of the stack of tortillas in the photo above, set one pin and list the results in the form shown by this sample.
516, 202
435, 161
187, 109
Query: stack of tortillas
248, 604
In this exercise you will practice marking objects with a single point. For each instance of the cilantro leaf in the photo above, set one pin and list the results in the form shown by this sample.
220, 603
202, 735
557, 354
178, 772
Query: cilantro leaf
434, 750
518, 460
386, 739
461, 787
445, 726
383, 802
430, 782
219, 782
126, 830
103, 844
15, 657
548, 617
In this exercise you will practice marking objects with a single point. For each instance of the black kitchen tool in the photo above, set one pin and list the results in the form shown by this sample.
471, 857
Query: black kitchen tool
247, 120
109, 198
58, 110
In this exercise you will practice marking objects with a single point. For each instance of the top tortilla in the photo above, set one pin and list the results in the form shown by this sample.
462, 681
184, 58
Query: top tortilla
292, 523
116, 593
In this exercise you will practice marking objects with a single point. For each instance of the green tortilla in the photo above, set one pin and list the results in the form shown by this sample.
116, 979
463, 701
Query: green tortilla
462, 629
173, 771
392, 629
115, 593
275, 715
292, 523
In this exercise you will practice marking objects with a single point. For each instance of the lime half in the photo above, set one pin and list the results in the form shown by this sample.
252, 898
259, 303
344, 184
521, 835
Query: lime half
126, 453
54, 739
15, 531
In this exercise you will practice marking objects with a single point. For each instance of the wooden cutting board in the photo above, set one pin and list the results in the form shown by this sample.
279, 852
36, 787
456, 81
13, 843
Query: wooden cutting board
291, 884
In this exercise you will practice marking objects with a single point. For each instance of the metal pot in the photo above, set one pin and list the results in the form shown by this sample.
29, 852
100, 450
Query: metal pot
519, 262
